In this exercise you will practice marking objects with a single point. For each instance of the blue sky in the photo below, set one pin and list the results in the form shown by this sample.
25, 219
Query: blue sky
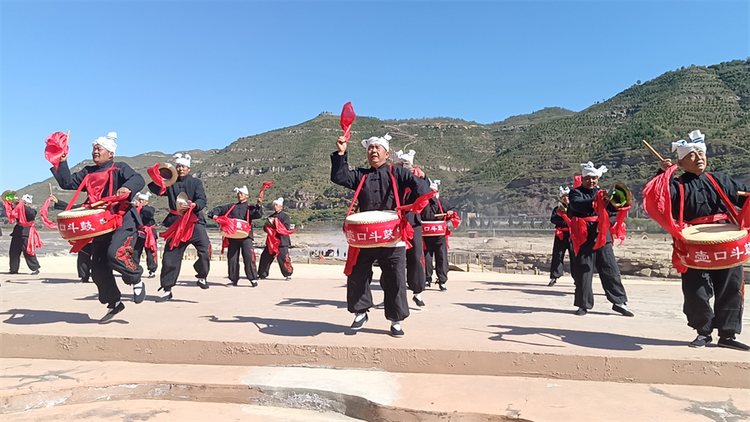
177, 75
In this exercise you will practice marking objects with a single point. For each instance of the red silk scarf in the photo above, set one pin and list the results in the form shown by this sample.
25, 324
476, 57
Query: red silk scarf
272, 240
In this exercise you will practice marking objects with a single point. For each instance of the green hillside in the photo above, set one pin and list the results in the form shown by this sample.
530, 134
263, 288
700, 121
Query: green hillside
504, 168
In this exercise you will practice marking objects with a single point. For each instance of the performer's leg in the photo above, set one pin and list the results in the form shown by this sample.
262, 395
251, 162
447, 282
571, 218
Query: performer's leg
170, 264
248, 258
265, 263
14, 253
285, 262
120, 253
415, 263
556, 268
697, 292
151, 263
83, 262
358, 294
571, 256
233, 260
392, 262
201, 242
429, 251
140, 242
609, 274
728, 288
31, 260
584, 295
101, 271
441, 259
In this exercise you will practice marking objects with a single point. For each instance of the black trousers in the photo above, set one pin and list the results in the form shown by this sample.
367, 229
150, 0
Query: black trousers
151, 261
559, 247
604, 262
172, 259
437, 246
726, 287
17, 247
285, 262
415, 272
114, 252
83, 263
244, 247
392, 263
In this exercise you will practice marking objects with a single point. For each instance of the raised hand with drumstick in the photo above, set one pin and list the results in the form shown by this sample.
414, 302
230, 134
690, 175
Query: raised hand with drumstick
690, 206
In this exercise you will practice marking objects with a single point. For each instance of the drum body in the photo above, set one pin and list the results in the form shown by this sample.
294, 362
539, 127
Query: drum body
84, 223
372, 229
713, 246
434, 228
243, 229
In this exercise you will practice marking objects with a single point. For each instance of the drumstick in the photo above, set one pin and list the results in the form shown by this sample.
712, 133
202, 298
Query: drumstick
50, 189
740, 193
441, 215
653, 151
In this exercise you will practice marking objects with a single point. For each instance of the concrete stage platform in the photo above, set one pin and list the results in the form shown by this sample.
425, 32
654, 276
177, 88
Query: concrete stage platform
493, 347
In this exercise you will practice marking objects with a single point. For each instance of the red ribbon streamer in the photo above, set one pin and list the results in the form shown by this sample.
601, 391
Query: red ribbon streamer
57, 146
181, 230
262, 188
34, 240
45, 213
272, 241
153, 171
347, 118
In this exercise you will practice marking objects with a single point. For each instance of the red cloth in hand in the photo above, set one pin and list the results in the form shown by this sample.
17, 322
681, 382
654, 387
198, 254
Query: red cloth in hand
45, 215
347, 118
182, 229
262, 188
153, 171
272, 239
57, 146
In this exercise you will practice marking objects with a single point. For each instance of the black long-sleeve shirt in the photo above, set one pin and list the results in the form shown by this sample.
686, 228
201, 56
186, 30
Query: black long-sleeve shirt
556, 219
377, 193
428, 214
20, 230
147, 215
287, 222
193, 188
581, 205
241, 211
701, 197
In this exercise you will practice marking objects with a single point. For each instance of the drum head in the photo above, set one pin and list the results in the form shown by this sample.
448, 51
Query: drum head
79, 212
713, 233
368, 217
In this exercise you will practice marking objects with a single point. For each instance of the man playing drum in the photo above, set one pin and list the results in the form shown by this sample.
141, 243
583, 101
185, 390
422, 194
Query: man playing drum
436, 246
277, 243
113, 250
246, 212
584, 224
376, 192
190, 227
702, 204
19, 237
415, 264
562, 242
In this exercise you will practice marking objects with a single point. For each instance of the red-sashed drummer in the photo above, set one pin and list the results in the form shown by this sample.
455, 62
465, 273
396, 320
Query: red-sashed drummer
702, 204
111, 251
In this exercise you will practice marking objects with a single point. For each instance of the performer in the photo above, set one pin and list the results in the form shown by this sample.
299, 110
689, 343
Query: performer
185, 226
695, 193
562, 241
589, 257
83, 259
114, 250
242, 211
376, 192
437, 246
147, 234
415, 263
23, 233
277, 242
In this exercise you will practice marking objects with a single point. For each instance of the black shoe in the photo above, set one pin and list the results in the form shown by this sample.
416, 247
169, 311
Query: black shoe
112, 312
622, 309
396, 332
85, 280
35, 272
139, 292
427, 284
288, 277
233, 283
701, 341
733, 343
418, 301
357, 325
253, 283
442, 287
165, 297
151, 274
552, 282
581, 311
202, 284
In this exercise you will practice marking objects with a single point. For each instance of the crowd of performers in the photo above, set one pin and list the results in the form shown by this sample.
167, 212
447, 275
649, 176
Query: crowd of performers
587, 220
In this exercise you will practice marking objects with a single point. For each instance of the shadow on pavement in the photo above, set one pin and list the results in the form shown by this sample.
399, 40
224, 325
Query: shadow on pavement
34, 317
589, 339
62, 281
549, 292
509, 309
290, 328
312, 303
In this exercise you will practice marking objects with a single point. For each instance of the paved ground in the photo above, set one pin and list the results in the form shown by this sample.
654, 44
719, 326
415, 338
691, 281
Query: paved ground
494, 344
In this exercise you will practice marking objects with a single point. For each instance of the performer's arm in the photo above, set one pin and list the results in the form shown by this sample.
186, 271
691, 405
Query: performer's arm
256, 212
132, 180
340, 173
218, 211
579, 203
405, 179
155, 189
285, 220
200, 200
731, 187
147, 213
66, 179
556, 219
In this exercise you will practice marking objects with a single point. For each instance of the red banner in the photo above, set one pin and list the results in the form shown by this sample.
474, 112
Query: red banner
347, 118
57, 146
